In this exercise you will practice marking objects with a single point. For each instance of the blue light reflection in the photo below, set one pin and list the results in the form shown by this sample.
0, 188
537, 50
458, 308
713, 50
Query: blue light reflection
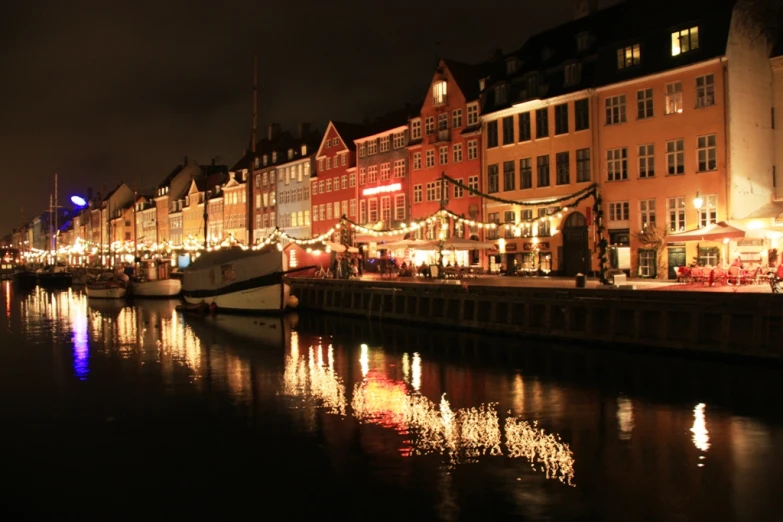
81, 346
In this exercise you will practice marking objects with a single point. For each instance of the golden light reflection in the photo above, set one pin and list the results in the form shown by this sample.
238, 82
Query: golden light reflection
364, 360
701, 438
416, 372
406, 368
625, 417
7, 290
312, 379
545, 452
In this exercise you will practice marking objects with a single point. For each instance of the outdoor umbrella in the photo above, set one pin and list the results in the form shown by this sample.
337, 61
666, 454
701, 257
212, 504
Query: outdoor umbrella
715, 232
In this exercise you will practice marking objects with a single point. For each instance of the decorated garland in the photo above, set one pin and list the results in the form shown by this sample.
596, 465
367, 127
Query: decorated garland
602, 243
545, 203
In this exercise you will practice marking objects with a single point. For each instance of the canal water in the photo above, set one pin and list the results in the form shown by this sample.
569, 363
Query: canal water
116, 411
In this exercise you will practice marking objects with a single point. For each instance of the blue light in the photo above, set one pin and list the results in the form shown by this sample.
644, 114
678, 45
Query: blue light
78, 201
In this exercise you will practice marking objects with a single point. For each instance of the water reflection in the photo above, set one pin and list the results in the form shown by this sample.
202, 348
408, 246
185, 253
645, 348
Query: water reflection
462, 435
391, 415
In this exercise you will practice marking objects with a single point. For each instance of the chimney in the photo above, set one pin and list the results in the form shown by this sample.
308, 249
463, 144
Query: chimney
585, 8
304, 129
274, 131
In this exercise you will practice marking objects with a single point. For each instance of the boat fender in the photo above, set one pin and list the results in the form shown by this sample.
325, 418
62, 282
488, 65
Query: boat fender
293, 301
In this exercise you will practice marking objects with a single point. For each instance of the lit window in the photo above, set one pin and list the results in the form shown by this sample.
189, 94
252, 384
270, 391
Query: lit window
685, 40
674, 98
439, 93
628, 56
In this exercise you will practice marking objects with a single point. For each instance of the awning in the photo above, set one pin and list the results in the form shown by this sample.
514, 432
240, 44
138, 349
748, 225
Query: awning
715, 232
770, 210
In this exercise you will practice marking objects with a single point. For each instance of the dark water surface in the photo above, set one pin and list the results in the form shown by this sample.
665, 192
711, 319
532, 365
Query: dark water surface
111, 411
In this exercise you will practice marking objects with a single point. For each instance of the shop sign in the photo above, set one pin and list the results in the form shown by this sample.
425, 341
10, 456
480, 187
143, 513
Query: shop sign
394, 187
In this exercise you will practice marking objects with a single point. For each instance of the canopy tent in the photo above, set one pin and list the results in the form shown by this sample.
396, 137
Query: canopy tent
337, 247
421, 244
715, 232
458, 243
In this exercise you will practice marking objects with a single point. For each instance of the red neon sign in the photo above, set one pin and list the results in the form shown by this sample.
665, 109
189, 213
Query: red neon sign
394, 187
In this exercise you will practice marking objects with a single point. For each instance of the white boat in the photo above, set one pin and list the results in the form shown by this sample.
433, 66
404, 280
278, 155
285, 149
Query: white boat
237, 280
106, 286
156, 288
155, 282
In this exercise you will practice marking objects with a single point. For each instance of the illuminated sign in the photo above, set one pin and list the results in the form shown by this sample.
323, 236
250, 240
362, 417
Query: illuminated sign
394, 187
78, 201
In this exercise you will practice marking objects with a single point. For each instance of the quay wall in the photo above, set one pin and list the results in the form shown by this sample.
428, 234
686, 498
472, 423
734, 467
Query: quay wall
747, 325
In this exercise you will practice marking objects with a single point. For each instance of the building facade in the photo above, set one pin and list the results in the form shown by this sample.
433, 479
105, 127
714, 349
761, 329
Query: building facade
234, 208
293, 183
445, 138
334, 188
384, 190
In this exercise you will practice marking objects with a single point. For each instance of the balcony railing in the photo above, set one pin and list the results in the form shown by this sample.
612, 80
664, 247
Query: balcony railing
440, 136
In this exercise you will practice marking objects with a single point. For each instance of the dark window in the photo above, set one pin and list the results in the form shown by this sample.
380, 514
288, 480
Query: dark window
582, 114
542, 123
508, 175
492, 179
508, 130
524, 126
543, 170
563, 168
561, 119
582, 165
492, 134
526, 173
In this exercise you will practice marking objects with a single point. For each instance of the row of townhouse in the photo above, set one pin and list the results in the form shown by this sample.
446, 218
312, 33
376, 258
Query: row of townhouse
671, 116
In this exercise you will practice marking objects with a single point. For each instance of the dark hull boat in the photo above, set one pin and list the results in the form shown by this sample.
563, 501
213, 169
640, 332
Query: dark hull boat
24, 279
54, 280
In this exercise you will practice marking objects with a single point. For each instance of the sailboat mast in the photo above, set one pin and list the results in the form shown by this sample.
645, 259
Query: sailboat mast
255, 106
51, 222
135, 231
56, 227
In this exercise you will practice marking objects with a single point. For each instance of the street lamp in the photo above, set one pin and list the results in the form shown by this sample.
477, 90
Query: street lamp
697, 204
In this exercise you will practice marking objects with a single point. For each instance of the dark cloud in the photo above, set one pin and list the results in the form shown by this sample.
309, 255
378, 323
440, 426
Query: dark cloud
108, 91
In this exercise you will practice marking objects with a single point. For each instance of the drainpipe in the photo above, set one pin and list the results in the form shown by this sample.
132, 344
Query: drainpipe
727, 136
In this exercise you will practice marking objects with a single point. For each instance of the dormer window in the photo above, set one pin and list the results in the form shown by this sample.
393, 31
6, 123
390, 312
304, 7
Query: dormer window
546, 54
573, 73
274, 157
532, 86
304, 150
482, 84
290, 154
266, 159
512, 64
257, 162
628, 56
501, 94
583, 41
439, 93
685, 40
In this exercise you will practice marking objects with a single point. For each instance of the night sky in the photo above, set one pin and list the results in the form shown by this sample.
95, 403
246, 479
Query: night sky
107, 91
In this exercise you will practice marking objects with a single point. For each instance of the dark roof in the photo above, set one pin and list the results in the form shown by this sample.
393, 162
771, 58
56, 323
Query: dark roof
648, 23
112, 191
168, 179
467, 77
349, 132
390, 120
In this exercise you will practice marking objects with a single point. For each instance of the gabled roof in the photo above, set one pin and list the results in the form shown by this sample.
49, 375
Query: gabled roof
168, 179
390, 120
466, 76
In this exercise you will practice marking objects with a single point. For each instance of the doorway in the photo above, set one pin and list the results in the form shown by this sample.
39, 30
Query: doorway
676, 258
576, 254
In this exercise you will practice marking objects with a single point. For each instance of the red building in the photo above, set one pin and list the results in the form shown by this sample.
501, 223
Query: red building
333, 188
446, 138
384, 172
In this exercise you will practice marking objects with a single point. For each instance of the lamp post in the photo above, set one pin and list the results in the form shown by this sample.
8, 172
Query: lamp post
697, 204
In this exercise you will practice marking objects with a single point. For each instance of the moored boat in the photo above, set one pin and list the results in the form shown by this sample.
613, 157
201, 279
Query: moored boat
237, 280
24, 278
106, 286
155, 282
55, 277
